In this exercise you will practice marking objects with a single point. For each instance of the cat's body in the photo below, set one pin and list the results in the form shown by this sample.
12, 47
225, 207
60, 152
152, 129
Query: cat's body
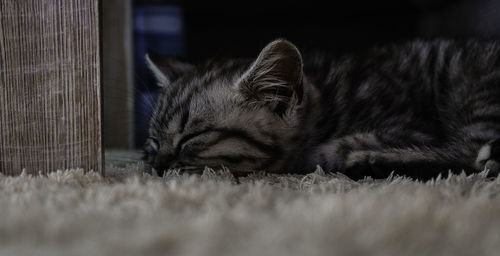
417, 109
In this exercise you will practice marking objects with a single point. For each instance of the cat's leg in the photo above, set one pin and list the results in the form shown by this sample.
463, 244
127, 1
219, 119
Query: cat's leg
379, 154
418, 162
331, 154
425, 162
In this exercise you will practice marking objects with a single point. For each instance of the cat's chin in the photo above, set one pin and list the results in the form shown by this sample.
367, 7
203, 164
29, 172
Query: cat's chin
196, 170
187, 169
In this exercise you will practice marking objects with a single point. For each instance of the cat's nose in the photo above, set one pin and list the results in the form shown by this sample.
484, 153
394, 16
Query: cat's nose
164, 162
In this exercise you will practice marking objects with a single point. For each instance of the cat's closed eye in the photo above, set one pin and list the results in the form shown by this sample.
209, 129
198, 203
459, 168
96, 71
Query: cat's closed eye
193, 136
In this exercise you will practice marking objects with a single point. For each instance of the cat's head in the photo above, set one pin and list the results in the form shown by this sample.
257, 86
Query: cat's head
244, 115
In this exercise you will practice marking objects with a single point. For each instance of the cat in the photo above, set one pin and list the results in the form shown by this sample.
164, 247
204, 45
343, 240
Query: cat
418, 109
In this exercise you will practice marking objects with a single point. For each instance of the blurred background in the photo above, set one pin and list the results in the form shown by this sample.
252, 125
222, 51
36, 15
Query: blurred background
198, 30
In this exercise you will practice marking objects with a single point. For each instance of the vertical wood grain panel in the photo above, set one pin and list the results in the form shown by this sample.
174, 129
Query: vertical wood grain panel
50, 86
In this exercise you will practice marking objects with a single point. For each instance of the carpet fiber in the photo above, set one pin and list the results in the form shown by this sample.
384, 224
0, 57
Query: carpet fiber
128, 213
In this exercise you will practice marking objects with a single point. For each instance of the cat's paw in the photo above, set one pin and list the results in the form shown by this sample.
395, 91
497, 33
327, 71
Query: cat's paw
488, 157
354, 164
360, 164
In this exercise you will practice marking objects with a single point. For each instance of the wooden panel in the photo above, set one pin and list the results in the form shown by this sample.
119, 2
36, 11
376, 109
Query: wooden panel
118, 90
49, 85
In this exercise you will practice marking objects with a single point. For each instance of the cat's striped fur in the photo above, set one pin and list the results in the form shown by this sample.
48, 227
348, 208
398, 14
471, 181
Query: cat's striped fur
418, 109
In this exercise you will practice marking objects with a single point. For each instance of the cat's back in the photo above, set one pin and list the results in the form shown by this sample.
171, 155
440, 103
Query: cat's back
420, 61
418, 81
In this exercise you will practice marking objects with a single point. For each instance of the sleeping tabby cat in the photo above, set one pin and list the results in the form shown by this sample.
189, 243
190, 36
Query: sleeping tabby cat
418, 109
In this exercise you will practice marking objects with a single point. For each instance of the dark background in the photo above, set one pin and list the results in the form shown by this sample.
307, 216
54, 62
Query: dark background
241, 28
244, 27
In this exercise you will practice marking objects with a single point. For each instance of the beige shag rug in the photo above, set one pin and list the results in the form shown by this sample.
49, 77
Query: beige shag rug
128, 213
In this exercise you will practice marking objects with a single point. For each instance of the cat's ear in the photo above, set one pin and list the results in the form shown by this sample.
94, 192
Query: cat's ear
166, 69
276, 76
